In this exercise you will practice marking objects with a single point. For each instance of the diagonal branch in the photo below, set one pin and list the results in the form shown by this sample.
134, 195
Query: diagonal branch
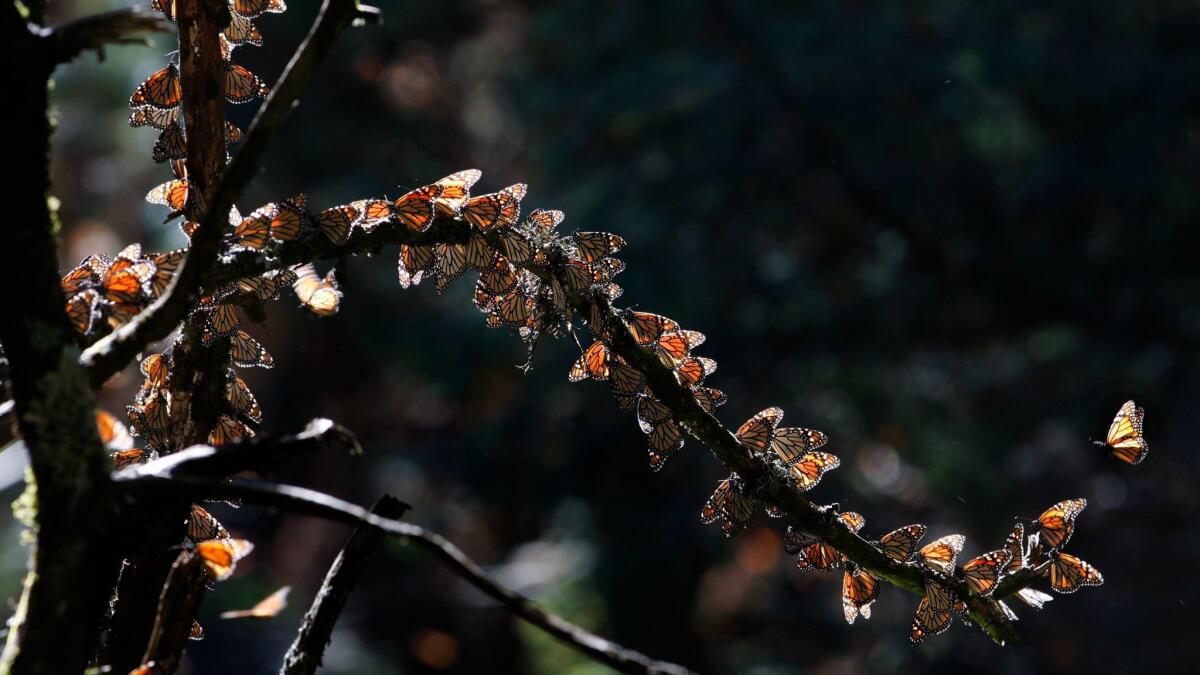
127, 26
113, 352
305, 654
155, 479
257, 452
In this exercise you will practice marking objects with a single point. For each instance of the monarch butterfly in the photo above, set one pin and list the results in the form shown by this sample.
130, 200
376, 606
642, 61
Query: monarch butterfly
627, 384
514, 308
454, 191
242, 31
1018, 550
1068, 573
859, 590
287, 217
541, 223
499, 278
82, 310
372, 212
220, 320
729, 505
755, 434
577, 276
156, 368
1125, 439
812, 553
479, 252
171, 144
228, 430
1057, 523
593, 246
246, 352
253, 8
516, 247
149, 116
983, 573
220, 556
165, 265
604, 270
335, 222
592, 363
935, 612
126, 458
651, 412
415, 209
161, 90
675, 346
151, 419
172, 194
266, 288
498, 209
414, 262
450, 262
320, 296
665, 439
202, 525
113, 434
88, 273
1033, 597
900, 543
692, 370
647, 328
710, 399
196, 632
940, 555
241, 399
243, 86
126, 280
165, 6
610, 291
254, 231
807, 471
233, 135
266, 608
791, 444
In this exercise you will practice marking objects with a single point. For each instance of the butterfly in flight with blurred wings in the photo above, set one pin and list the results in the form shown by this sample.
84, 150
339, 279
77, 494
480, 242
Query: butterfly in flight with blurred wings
221, 556
266, 608
1125, 439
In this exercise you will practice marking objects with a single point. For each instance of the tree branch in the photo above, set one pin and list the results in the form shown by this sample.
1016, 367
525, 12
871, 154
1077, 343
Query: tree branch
316, 631
156, 478
119, 27
114, 351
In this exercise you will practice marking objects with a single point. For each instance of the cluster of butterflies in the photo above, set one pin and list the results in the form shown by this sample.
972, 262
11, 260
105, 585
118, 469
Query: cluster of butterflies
156, 101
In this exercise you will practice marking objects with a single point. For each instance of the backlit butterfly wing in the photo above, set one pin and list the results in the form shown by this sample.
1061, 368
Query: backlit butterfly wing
242, 31
241, 399
451, 262
795, 540
1068, 573
153, 117
247, 352
1018, 553
221, 320
254, 231
372, 212
335, 222
228, 430
499, 278
692, 370
479, 253
496, 210
791, 444
983, 573
243, 86
82, 310
414, 262
675, 346
592, 363
541, 223
627, 384
665, 440
935, 613
1033, 597
757, 431
818, 556
203, 526
859, 590
252, 8
516, 247
596, 245
647, 328
172, 194
710, 399
165, 265
320, 296
514, 308
266, 288
161, 90
287, 217
650, 413
809, 469
729, 505
113, 434
1125, 438
220, 556
266, 608
170, 144
940, 555
415, 209
454, 191
899, 544
577, 276
1057, 523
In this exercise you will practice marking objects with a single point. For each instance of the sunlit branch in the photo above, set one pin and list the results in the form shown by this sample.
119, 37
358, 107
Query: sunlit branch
155, 478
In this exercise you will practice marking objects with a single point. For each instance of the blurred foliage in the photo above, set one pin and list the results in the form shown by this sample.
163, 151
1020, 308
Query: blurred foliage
956, 236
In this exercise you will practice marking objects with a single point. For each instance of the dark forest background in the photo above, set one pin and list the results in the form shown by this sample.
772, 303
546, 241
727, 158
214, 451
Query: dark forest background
955, 236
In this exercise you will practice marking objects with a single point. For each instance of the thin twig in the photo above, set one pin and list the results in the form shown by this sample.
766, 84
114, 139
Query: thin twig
127, 26
305, 654
113, 352
155, 478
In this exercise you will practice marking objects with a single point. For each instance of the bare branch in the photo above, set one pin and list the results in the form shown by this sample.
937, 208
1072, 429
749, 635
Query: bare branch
113, 352
127, 26
177, 607
305, 654
156, 478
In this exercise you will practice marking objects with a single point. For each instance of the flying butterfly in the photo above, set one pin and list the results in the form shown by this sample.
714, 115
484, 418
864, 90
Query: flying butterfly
729, 505
756, 433
1057, 523
983, 573
935, 612
1068, 574
243, 86
1125, 439
113, 434
221, 556
899, 544
593, 363
161, 90
496, 210
266, 608
940, 555
320, 296
859, 590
